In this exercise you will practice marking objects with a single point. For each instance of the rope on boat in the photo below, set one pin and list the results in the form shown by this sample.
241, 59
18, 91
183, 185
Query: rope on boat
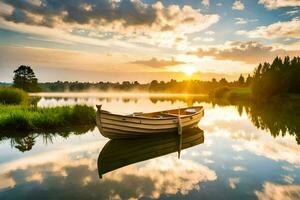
98, 118
179, 123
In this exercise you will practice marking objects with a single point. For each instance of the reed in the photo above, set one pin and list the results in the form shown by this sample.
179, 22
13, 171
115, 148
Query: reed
13, 96
26, 118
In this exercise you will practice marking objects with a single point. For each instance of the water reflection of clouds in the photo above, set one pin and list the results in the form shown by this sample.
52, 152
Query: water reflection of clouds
35, 168
288, 178
287, 168
238, 168
233, 181
168, 174
50, 156
273, 191
279, 149
165, 175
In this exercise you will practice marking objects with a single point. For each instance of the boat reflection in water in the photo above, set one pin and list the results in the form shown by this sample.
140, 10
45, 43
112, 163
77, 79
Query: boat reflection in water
119, 153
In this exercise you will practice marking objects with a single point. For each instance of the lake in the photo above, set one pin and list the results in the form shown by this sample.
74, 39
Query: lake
243, 152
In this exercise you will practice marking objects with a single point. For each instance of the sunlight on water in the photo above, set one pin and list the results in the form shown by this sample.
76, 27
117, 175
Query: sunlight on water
237, 160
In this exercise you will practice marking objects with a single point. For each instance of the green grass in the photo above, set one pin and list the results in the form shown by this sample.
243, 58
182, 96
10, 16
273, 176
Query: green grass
220, 92
13, 96
25, 118
232, 94
239, 94
294, 97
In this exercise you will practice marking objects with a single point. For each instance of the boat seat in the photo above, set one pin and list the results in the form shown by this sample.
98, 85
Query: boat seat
190, 110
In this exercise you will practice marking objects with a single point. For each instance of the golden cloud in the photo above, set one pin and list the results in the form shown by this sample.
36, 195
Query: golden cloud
154, 62
287, 29
248, 52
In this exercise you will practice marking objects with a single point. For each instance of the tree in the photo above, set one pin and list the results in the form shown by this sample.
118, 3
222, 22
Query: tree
241, 80
25, 79
223, 81
153, 85
249, 80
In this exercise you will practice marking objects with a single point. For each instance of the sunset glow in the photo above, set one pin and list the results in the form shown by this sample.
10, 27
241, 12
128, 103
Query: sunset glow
145, 39
188, 70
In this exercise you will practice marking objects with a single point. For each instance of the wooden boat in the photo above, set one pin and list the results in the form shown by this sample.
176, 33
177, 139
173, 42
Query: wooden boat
118, 153
146, 124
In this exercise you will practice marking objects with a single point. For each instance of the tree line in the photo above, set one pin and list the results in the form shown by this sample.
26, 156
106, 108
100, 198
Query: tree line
172, 86
25, 79
268, 80
279, 77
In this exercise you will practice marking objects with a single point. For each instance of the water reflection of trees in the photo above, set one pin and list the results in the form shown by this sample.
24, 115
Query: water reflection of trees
25, 141
277, 118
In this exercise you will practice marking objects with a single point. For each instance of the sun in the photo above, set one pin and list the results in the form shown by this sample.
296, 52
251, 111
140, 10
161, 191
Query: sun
188, 70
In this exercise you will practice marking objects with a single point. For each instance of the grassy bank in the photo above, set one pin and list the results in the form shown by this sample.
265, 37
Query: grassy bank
26, 118
232, 94
18, 114
13, 96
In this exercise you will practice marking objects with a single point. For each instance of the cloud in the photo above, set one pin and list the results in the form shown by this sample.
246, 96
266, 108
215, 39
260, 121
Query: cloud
250, 52
124, 15
208, 39
119, 24
274, 4
238, 5
277, 30
53, 58
197, 39
154, 62
209, 32
205, 3
273, 191
240, 20
292, 12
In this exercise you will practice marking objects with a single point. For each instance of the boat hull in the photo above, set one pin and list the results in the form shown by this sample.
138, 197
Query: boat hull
120, 126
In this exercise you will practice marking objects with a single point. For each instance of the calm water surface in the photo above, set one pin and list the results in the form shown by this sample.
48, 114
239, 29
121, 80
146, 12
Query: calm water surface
244, 155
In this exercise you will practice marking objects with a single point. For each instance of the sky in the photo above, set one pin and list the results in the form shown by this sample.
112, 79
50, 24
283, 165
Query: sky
118, 40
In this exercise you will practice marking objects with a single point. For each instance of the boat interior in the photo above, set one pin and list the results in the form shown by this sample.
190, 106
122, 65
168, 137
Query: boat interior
170, 113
